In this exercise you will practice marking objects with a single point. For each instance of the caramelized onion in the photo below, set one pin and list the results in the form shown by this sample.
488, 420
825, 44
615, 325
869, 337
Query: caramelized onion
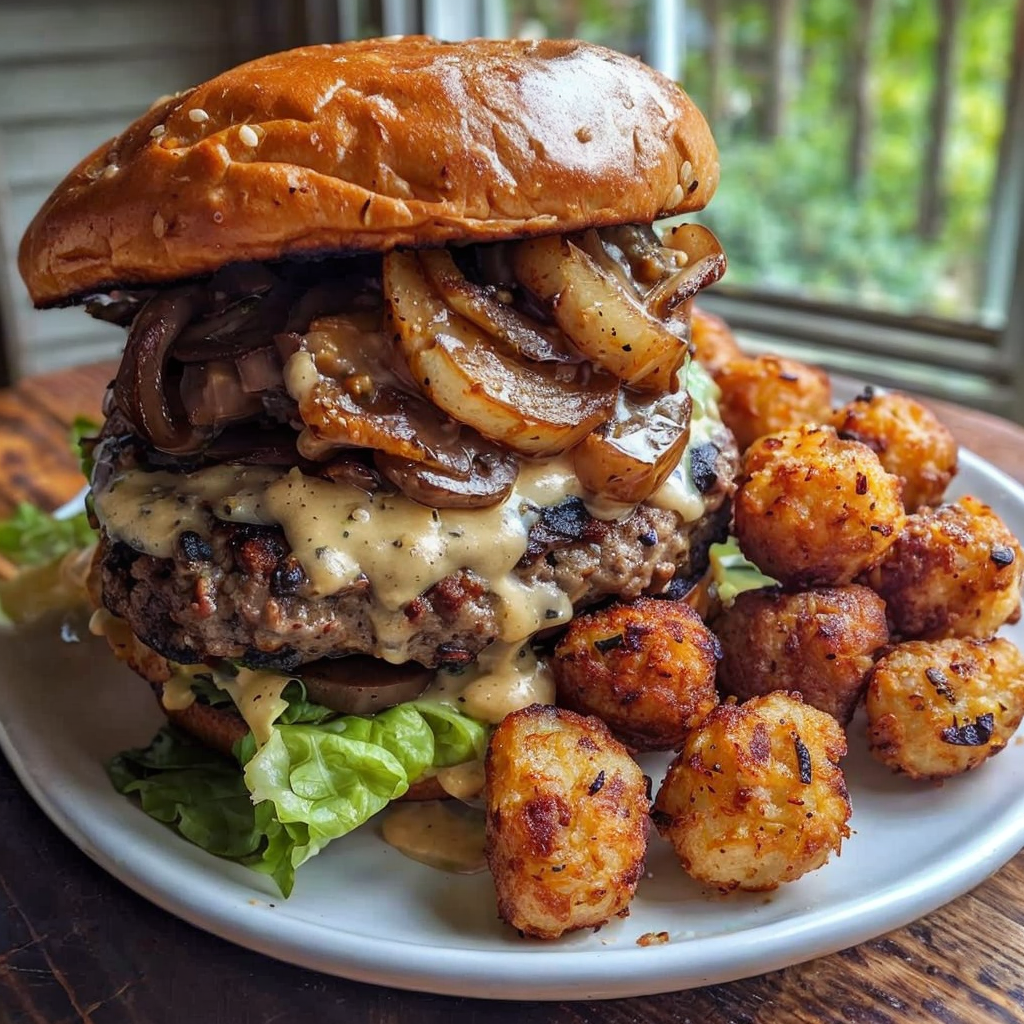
533, 408
259, 369
212, 394
333, 297
608, 257
478, 304
242, 279
141, 388
490, 482
119, 307
252, 445
605, 323
631, 456
245, 323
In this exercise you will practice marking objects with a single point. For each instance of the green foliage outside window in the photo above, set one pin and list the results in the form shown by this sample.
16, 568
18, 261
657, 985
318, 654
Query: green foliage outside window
789, 211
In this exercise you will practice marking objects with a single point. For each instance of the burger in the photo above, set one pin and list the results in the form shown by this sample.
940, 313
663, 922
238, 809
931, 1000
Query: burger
406, 385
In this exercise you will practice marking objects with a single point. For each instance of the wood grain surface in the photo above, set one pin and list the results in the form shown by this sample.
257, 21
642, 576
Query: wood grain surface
75, 945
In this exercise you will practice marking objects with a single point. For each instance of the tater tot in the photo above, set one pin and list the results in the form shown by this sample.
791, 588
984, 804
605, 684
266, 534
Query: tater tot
814, 509
820, 643
646, 669
756, 797
712, 339
952, 571
770, 393
908, 438
567, 821
941, 707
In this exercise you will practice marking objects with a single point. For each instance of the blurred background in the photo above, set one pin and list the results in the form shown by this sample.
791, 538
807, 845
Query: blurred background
872, 153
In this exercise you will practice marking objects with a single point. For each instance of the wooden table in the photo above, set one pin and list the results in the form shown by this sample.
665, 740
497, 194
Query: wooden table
75, 945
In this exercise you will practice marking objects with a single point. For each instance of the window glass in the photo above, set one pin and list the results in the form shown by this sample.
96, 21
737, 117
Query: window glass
860, 141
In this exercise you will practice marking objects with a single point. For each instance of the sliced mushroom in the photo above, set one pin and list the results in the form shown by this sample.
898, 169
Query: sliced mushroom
247, 322
351, 393
478, 304
631, 456
645, 256
533, 408
705, 264
605, 323
490, 482
360, 685
351, 469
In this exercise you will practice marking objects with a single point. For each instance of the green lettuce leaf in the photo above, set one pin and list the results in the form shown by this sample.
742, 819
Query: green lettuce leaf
456, 737
199, 792
733, 573
84, 436
301, 710
321, 786
313, 781
34, 537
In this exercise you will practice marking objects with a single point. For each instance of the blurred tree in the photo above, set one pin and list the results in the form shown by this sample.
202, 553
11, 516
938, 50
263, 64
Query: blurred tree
861, 114
783, 66
718, 15
930, 200
881, 118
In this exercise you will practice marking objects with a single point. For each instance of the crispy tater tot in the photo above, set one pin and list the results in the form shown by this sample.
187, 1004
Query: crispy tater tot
941, 707
646, 669
756, 797
567, 821
770, 393
909, 439
952, 571
712, 339
819, 642
813, 509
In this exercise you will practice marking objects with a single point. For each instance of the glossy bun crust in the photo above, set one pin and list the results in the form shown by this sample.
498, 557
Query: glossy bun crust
369, 145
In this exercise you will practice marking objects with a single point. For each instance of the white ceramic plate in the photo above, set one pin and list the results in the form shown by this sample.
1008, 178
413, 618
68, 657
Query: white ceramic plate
363, 911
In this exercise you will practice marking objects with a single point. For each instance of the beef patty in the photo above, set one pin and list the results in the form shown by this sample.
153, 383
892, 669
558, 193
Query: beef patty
238, 591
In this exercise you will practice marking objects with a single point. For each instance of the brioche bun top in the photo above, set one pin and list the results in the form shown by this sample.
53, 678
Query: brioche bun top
364, 146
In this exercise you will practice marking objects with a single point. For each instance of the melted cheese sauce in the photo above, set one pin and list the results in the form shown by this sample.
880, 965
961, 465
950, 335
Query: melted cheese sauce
679, 493
257, 695
177, 694
431, 832
503, 679
462, 781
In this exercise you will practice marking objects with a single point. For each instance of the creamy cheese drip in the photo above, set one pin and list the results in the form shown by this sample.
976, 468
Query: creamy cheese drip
443, 837
503, 679
257, 694
679, 493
